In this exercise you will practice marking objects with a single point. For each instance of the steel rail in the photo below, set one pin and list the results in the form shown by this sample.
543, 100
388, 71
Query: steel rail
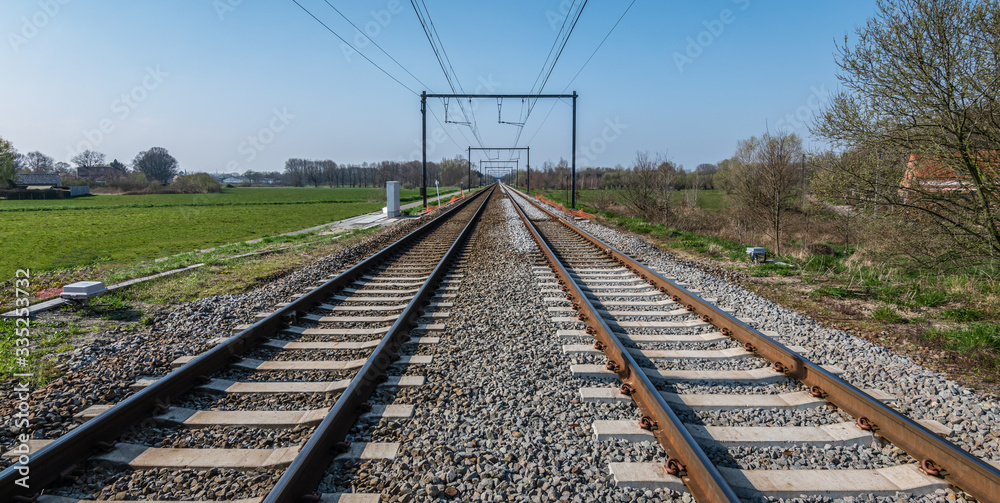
307, 469
58, 458
938, 456
687, 458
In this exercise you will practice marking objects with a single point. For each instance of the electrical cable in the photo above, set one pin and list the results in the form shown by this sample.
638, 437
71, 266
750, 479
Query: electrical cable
352, 47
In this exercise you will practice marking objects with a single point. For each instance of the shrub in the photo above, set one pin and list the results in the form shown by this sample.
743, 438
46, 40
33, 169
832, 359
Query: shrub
198, 183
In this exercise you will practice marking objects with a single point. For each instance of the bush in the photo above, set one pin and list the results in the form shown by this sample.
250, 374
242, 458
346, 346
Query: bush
198, 183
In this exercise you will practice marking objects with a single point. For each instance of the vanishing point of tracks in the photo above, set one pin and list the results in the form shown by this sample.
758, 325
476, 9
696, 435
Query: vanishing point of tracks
281, 400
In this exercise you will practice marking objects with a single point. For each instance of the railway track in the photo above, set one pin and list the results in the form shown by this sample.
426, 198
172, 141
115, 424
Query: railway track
274, 402
499, 354
671, 349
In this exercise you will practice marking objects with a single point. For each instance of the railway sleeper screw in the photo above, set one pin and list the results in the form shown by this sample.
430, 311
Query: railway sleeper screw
706, 318
204, 379
675, 298
581, 317
311, 498
626, 389
817, 392
599, 346
663, 289
341, 447
689, 307
612, 366
931, 468
865, 424
591, 331
674, 467
647, 423
364, 407
779, 367
749, 348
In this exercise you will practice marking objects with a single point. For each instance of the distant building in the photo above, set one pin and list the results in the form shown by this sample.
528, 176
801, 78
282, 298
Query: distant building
100, 174
41, 186
932, 176
40, 181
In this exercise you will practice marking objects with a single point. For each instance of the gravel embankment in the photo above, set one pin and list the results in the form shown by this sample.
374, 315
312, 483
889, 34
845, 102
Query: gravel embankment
499, 418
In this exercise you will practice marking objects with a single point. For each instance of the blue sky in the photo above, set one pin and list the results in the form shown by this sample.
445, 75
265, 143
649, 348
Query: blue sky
232, 85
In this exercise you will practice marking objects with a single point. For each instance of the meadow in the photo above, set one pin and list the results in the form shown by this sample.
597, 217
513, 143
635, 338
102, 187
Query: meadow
62, 234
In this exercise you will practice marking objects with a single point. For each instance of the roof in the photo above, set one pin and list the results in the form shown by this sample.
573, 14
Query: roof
38, 179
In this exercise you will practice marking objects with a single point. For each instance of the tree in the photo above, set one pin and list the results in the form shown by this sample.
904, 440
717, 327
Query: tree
118, 165
647, 189
157, 164
9, 160
61, 167
37, 162
765, 175
88, 159
921, 96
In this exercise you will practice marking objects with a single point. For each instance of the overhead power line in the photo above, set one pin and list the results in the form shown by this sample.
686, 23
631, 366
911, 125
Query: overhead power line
434, 39
605, 39
557, 53
296, 2
375, 43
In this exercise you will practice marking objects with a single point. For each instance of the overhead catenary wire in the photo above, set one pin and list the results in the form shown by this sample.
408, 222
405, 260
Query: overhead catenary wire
555, 60
383, 70
379, 47
605, 39
434, 39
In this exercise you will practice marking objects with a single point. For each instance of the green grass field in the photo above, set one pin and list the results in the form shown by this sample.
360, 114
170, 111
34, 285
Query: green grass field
61, 234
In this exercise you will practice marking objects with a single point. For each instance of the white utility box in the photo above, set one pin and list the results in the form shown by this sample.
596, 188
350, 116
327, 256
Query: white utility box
83, 290
757, 253
392, 199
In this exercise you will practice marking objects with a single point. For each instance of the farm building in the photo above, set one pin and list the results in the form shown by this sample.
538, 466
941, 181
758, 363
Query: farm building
924, 176
41, 186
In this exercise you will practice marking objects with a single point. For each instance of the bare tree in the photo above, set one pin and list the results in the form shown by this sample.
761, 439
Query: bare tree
921, 96
88, 159
766, 174
37, 162
647, 189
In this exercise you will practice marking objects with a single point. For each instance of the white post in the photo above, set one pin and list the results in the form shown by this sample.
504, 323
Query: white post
392, 199
438, 189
